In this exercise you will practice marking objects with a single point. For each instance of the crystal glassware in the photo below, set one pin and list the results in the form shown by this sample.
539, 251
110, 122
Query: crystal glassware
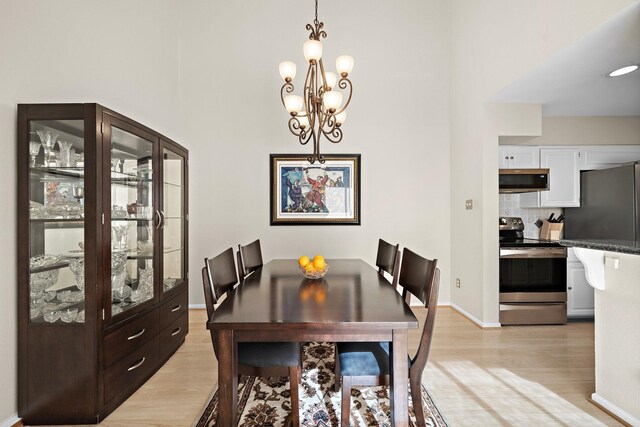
120, 232
51, 316
78, 192
76, 266
69, 315
65, 153
34, 150
48, 140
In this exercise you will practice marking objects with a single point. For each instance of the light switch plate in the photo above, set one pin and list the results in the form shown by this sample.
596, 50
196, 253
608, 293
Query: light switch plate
469, 204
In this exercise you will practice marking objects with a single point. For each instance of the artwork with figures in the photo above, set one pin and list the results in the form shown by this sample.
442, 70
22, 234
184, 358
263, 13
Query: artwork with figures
304, 193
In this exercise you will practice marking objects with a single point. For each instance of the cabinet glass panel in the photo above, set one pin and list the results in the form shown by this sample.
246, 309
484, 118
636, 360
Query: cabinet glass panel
173, 209
56, 221
131, 221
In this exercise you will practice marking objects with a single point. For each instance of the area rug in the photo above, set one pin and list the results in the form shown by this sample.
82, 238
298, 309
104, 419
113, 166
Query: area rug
267, 401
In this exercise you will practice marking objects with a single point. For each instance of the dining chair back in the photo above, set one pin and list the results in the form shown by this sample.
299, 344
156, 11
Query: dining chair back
250, 258
415, 274
368, 364
221, 270
388, 259
261, 359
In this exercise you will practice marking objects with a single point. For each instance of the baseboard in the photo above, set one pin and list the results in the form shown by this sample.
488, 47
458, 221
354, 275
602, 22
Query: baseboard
475, 320
197, 306
12, 421
444, 303
619, 414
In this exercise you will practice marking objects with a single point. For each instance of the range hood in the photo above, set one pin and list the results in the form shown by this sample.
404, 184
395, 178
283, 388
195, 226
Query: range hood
523, 180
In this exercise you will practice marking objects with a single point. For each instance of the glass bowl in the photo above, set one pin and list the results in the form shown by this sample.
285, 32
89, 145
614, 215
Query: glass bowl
65, 209
314, 274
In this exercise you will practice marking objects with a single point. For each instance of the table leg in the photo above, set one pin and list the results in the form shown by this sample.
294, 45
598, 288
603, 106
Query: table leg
227, 379
399, 377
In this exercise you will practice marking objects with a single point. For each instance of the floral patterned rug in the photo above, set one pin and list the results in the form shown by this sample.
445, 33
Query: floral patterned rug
266, 401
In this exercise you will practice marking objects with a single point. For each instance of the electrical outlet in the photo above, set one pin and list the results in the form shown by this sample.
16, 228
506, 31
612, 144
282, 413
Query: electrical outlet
469, 204
457, 282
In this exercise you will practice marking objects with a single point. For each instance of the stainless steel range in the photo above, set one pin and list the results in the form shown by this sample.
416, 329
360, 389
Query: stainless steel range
533, 278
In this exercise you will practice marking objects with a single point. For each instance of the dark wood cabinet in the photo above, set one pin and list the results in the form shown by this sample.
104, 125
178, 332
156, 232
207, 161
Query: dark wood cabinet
102, 259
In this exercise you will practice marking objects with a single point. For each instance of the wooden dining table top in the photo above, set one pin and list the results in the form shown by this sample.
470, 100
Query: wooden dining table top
352, 295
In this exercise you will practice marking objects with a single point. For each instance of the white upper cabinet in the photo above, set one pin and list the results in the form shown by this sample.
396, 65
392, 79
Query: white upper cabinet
564, 177
564, 180
518, 157
603, 157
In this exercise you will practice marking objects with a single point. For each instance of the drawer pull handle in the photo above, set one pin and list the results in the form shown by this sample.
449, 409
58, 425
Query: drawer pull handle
137, 365
176, 308
133, 337
176, 332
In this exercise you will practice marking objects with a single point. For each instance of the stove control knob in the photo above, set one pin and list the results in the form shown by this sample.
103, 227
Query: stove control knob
515, 222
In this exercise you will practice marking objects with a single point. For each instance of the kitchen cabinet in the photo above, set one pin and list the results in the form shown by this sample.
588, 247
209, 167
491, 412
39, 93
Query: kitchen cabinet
580, 295
603, 157
102, 259
564, 180
519, 157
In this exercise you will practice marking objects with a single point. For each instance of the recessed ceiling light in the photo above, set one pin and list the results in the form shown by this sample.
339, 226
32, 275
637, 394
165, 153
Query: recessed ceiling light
624, 70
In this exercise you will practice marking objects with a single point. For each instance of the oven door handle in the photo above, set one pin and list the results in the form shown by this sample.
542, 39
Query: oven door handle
506, 253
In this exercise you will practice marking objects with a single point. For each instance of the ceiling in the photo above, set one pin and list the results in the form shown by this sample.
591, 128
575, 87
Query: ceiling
576, 82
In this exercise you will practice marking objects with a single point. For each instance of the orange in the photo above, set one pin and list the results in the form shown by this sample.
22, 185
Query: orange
310, 268
303, 261
318, 262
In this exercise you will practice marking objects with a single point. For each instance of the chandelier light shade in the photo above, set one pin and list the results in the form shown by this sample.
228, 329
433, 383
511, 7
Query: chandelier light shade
320, 111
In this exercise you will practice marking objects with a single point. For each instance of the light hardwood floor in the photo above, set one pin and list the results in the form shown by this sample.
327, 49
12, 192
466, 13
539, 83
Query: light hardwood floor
536, 376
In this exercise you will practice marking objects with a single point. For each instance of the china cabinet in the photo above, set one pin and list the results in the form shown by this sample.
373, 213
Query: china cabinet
102, 259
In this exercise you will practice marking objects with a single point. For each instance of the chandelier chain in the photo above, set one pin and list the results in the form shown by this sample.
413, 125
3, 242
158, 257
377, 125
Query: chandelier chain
316, 20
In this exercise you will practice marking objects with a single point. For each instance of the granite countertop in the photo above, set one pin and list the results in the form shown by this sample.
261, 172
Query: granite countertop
610, 245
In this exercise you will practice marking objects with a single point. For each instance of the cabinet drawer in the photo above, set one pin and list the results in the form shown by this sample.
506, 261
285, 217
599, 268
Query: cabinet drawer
172, 336
172, 309
131, 370
124, 340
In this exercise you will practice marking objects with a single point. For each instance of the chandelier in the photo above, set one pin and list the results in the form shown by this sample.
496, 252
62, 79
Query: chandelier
320, 110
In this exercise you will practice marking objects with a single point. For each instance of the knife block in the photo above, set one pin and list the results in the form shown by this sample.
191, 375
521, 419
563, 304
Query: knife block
551, 230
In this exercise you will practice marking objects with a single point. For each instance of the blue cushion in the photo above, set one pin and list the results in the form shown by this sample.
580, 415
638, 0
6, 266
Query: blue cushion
363, 358
267, 354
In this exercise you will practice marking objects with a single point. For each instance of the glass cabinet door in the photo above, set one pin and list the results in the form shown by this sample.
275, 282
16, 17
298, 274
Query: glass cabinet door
56, 221
131, 220
173, 233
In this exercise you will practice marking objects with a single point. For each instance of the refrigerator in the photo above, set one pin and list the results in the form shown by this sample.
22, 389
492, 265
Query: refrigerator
609, 205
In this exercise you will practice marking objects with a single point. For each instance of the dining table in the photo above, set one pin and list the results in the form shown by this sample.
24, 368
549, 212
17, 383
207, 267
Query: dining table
352, 302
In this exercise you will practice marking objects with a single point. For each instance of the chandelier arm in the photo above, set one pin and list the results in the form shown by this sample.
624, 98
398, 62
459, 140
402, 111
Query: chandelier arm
294, 126
334, 135
344, 84
305, 137
324, 76
286, 88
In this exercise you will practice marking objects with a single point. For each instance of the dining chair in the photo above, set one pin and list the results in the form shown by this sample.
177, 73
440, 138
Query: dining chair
260, 359
367, 363
388, 260
249, 258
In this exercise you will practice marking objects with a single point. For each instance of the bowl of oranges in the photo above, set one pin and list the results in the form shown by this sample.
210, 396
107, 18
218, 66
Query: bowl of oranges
314, 268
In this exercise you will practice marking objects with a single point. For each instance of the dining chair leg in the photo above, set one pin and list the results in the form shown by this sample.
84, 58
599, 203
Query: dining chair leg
294, 378
416, 399
345, 406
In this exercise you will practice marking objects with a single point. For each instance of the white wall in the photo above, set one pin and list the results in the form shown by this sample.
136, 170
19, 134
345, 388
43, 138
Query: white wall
595, 130
76, 51
398, 120
494, 42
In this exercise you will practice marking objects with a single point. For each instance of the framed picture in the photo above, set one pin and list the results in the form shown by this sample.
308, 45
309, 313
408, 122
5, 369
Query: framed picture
315, 194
